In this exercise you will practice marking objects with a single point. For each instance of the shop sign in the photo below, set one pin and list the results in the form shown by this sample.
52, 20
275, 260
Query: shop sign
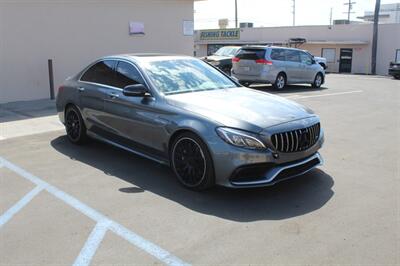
222, 34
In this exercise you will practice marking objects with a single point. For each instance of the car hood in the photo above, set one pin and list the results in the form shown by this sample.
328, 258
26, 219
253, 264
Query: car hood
217, 58
319, 59
241, 107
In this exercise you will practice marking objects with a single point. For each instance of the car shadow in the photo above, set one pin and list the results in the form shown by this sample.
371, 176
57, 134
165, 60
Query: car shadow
284, 200
289, 89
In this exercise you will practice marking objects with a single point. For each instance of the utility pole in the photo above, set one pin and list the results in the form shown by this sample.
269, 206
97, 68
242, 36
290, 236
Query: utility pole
236, 15
350, 7
330, 18
294, 12
375, 36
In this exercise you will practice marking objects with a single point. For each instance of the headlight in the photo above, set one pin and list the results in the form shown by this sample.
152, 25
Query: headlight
239, 138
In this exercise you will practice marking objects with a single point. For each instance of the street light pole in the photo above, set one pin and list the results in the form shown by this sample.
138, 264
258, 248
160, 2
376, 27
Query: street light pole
236, 15
294, 12
375, 37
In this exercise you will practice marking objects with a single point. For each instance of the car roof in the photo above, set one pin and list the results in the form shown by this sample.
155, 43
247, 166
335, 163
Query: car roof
145, 57
269, 47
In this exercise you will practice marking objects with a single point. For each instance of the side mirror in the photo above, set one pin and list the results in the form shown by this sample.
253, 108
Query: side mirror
313, 62
136, 90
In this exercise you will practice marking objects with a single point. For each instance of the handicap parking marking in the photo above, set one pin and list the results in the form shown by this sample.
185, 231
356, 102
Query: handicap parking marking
102, 226
92, 244
8, 215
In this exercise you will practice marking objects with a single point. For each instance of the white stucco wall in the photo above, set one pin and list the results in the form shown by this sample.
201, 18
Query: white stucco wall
74, 33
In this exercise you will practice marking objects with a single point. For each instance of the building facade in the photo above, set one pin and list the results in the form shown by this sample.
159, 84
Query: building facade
73, 33
347, 48
388, 13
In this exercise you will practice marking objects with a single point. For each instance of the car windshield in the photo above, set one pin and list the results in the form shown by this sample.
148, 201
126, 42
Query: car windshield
226, 51
186, 75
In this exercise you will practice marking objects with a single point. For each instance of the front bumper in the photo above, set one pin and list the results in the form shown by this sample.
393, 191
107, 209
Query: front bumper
270, 174
394, 72
237, 167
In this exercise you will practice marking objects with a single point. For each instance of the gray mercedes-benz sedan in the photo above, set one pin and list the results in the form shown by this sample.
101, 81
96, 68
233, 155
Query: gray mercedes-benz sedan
182, 112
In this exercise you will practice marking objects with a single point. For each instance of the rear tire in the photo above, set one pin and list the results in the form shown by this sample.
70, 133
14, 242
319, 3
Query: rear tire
280, 82
317, 81
191, 162
74, 126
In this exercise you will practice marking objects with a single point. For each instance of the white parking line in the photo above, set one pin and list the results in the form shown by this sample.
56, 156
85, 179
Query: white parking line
92, 244
19, 205
324, 95
103, 222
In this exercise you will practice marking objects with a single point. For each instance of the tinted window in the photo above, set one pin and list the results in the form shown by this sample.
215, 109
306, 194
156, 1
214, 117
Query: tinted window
278, 54
292, 55
126, 74
251, 54
101, 72
305, 58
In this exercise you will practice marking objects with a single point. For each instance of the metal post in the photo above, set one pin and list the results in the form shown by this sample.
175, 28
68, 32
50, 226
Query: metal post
236, 15
51, 78
294, 12
375, 37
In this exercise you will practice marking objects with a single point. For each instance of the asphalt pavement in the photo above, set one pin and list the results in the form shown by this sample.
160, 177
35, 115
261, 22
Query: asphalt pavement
97, 205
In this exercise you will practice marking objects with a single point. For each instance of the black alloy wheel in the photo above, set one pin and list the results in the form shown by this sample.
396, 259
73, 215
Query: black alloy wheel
191, 162
76, 130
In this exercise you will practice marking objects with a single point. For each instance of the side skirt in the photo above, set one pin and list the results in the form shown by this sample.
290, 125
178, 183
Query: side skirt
129, 149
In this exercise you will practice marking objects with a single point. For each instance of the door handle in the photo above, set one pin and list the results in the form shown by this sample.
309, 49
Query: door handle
113, 95
81, 89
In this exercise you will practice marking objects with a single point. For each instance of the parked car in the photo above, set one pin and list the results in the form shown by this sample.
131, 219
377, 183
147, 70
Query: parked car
321, 61
182, 112
394, 69
222, 58
278, 66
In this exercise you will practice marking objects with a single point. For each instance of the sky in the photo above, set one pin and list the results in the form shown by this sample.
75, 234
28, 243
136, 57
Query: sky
268, 13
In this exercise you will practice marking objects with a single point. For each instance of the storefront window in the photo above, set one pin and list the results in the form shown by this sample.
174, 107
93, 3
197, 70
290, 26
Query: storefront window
329, 54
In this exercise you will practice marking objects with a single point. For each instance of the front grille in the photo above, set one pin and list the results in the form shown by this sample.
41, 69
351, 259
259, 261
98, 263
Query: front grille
296, 140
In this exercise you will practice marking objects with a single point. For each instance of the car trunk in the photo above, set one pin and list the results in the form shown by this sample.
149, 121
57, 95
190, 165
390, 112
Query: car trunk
247, 64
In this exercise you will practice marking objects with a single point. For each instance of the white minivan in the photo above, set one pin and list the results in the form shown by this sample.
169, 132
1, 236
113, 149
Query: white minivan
278, 66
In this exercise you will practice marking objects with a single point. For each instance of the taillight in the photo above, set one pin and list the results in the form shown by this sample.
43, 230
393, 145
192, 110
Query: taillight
60, 89
235, 59
263, 62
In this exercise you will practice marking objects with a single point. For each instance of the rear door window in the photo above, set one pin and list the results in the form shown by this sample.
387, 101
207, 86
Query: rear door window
127, 74
292, 55
251, 54
101, 73
278, 54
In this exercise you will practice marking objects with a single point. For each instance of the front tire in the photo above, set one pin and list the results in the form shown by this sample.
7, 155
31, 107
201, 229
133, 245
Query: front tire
280, 82
317, 81
191, 162
74, 125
